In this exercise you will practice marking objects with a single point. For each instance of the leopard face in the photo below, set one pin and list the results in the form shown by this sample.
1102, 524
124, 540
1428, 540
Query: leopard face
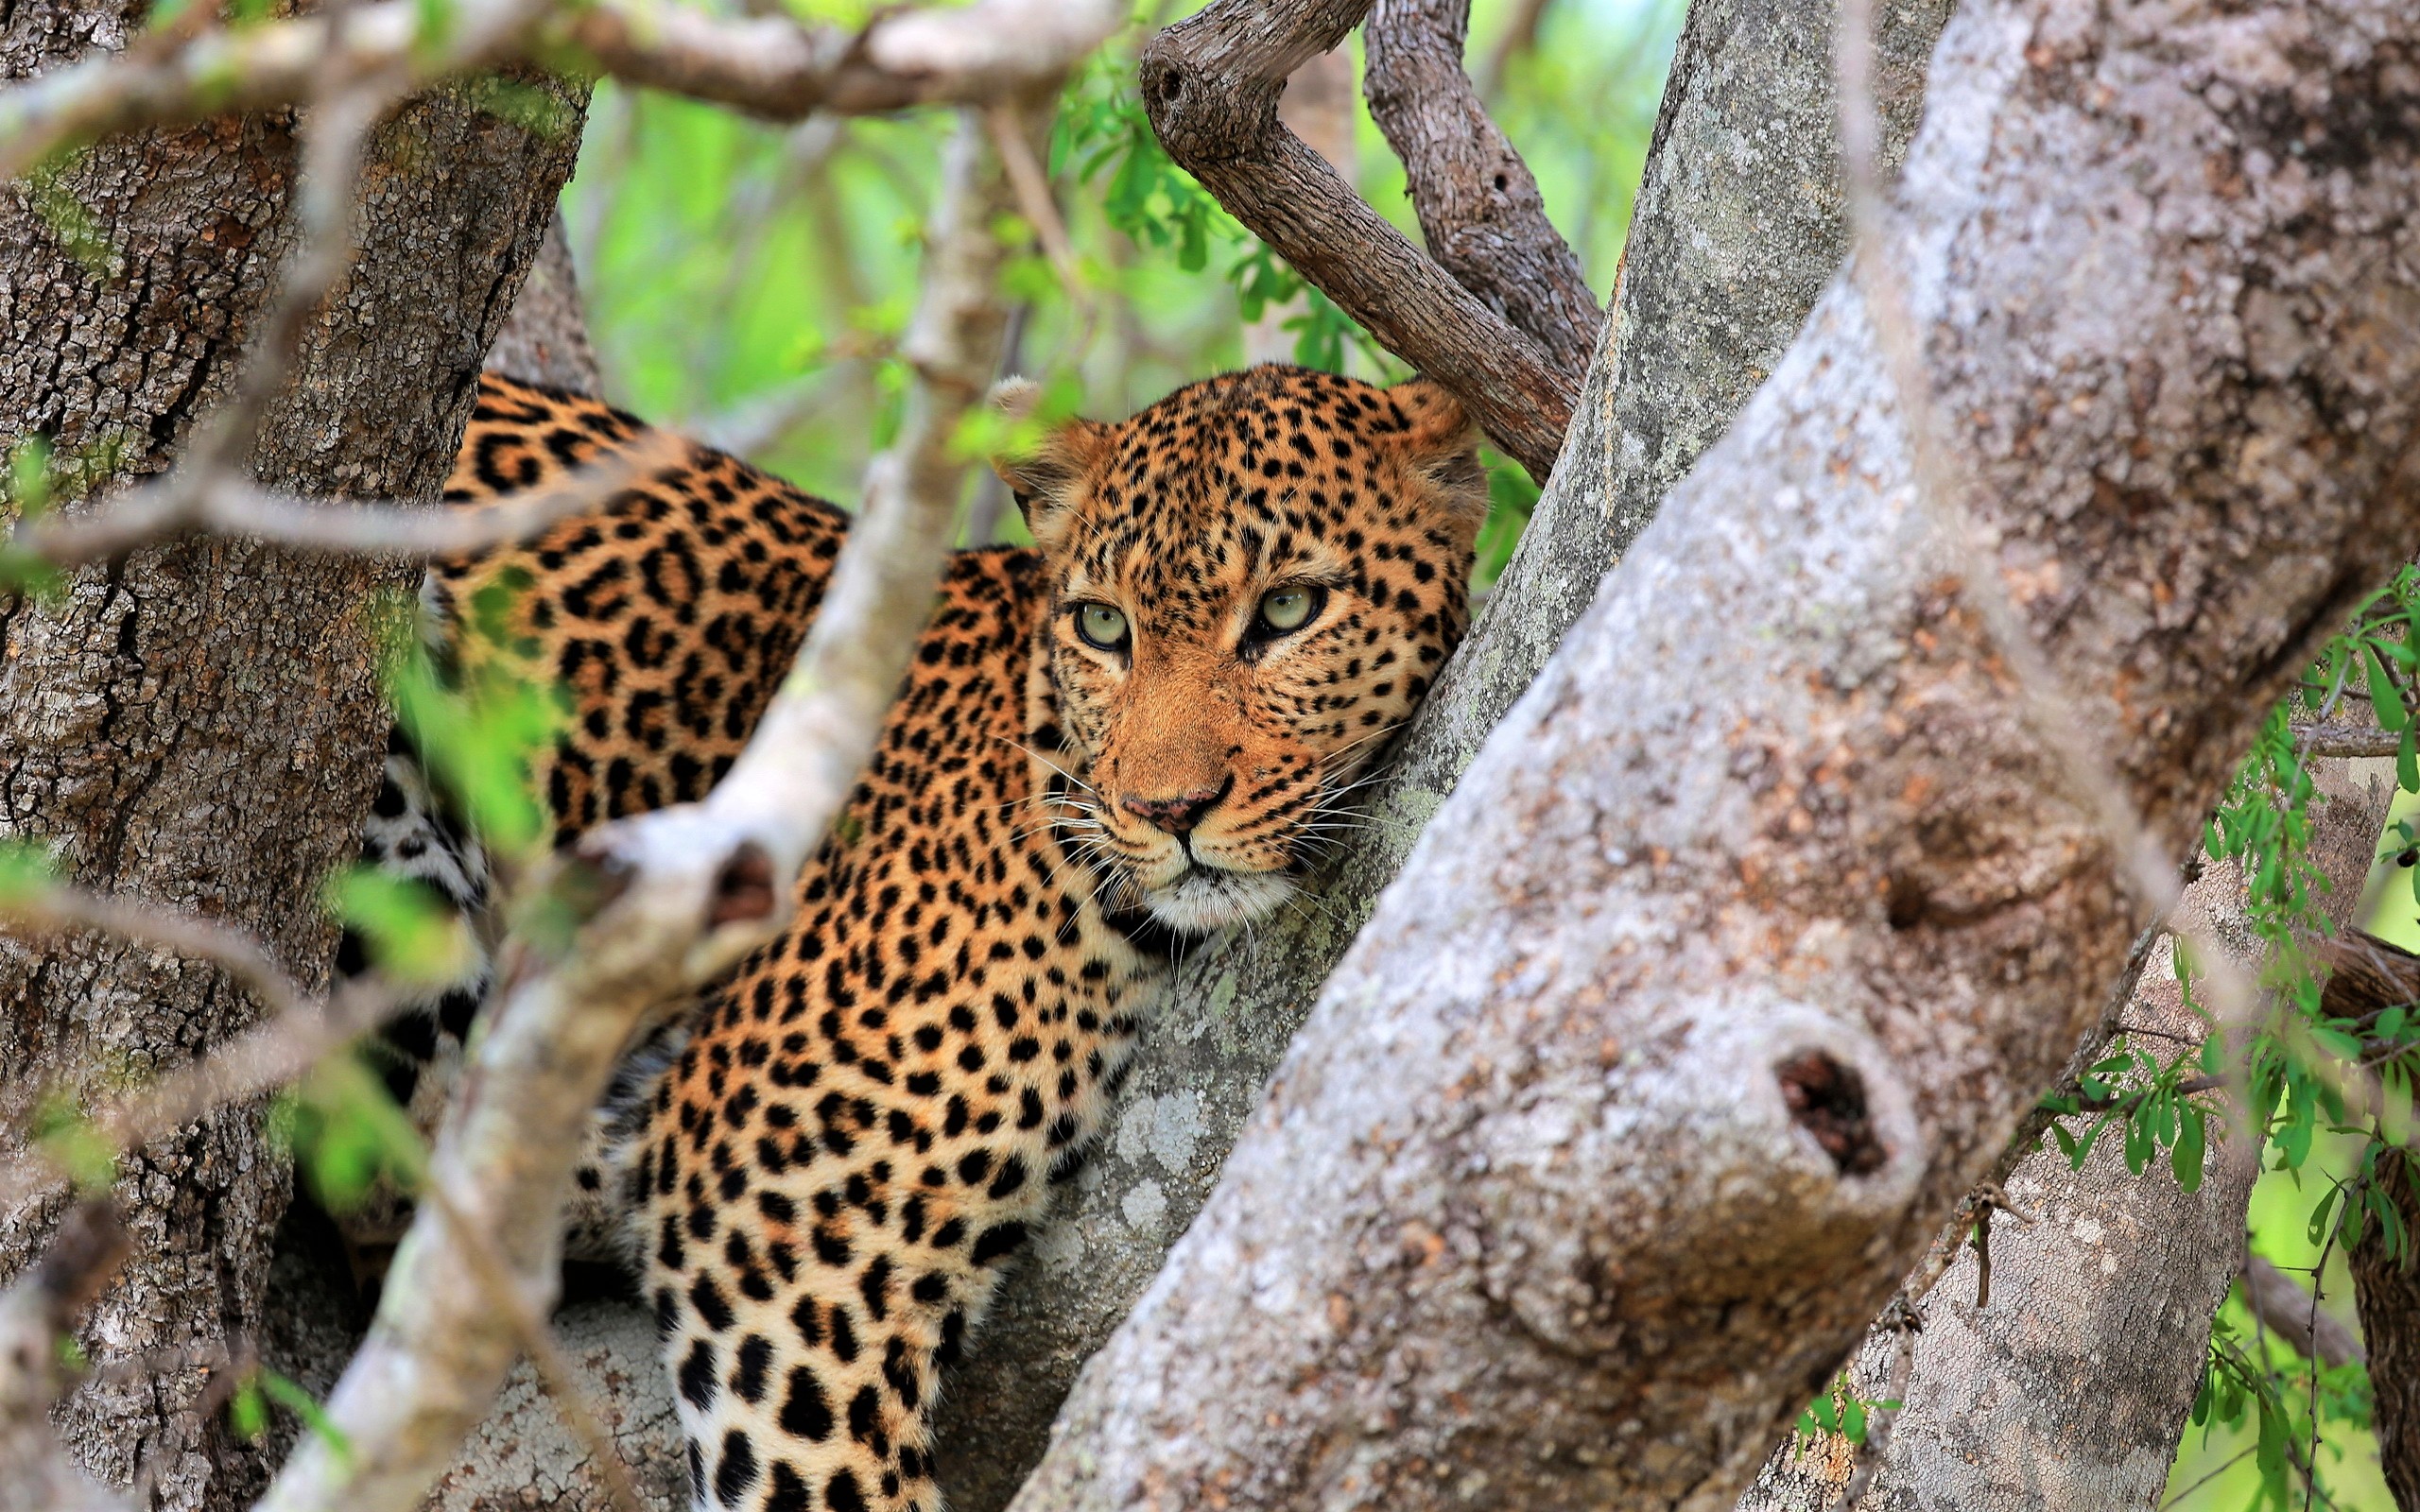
1251, 585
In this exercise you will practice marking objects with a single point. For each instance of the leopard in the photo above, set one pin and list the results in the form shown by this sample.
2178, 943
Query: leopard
1114, 743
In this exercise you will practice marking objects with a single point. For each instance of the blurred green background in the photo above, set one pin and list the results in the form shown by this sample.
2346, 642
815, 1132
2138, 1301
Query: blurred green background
743, 280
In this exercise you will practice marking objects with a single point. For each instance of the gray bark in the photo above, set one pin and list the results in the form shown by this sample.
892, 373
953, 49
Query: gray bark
195, 725
1737, 955
1725, 292
544, 340
2071, 1389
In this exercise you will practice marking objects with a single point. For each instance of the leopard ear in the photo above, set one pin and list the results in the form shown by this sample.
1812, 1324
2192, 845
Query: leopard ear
1049, 479
1439, 446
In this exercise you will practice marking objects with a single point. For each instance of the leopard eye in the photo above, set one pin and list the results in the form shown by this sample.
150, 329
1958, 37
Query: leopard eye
1102, 626
1285, 609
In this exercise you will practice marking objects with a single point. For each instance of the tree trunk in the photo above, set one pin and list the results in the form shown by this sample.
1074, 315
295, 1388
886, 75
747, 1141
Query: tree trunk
2071, 1389
2386, 1288
1227, 1017
544, 340
196, 726
1732, 961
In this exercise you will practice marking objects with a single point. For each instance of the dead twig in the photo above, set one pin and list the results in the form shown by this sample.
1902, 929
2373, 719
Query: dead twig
770, 67
231, 505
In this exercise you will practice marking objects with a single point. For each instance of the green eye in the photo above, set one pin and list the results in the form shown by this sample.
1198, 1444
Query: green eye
1289, 609
1102, 626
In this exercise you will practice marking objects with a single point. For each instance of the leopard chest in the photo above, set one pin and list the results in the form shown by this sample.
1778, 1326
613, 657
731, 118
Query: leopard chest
867, 1115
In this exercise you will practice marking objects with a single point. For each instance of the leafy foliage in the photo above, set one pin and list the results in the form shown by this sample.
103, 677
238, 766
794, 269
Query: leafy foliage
2308, 1076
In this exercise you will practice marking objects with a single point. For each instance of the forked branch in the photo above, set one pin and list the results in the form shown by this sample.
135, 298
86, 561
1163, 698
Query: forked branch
1211, 83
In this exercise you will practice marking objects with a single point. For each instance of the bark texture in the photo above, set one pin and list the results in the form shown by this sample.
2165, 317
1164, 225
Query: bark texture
1480, 209
2386, 1288
544, 340
1226, 1018
1736, 957
195, 725
2070, 1389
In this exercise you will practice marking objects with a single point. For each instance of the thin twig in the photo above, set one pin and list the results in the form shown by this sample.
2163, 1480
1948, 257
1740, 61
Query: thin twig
231, 506
2326, 740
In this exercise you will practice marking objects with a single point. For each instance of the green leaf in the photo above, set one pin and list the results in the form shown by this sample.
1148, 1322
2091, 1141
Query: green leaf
26, 869
291, 1396
2336, 1041
248, 1411
2317, 1233
414, 934
2386, 699
2186, 1158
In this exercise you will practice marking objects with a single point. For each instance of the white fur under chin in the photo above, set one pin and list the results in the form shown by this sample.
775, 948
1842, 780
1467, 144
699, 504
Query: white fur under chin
1205, 900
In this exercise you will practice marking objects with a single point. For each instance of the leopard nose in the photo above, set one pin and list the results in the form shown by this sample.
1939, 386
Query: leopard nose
1180, 814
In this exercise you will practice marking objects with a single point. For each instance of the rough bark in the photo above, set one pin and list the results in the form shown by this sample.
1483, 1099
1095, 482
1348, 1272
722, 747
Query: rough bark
2070, 1389
197, 724
1480, 209
544, 340
1701, 1003
1227, 1018
2386, 1290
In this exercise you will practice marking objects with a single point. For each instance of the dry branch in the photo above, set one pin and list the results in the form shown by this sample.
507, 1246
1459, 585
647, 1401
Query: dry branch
1480, 208
664, 901
231, 505
1528, 1211
772, 66
2286, 1308
2321, 740
1210, 84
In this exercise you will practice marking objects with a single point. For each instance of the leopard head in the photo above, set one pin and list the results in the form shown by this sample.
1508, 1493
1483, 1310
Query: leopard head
1253, 583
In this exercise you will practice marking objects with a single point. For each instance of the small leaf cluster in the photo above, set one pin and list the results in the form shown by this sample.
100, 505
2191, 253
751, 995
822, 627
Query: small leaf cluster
1840, 1411
1104, 137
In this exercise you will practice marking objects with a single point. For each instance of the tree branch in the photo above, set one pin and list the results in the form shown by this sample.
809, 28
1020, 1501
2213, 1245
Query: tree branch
231, 505
1210, 84
1480, 208
772, 66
